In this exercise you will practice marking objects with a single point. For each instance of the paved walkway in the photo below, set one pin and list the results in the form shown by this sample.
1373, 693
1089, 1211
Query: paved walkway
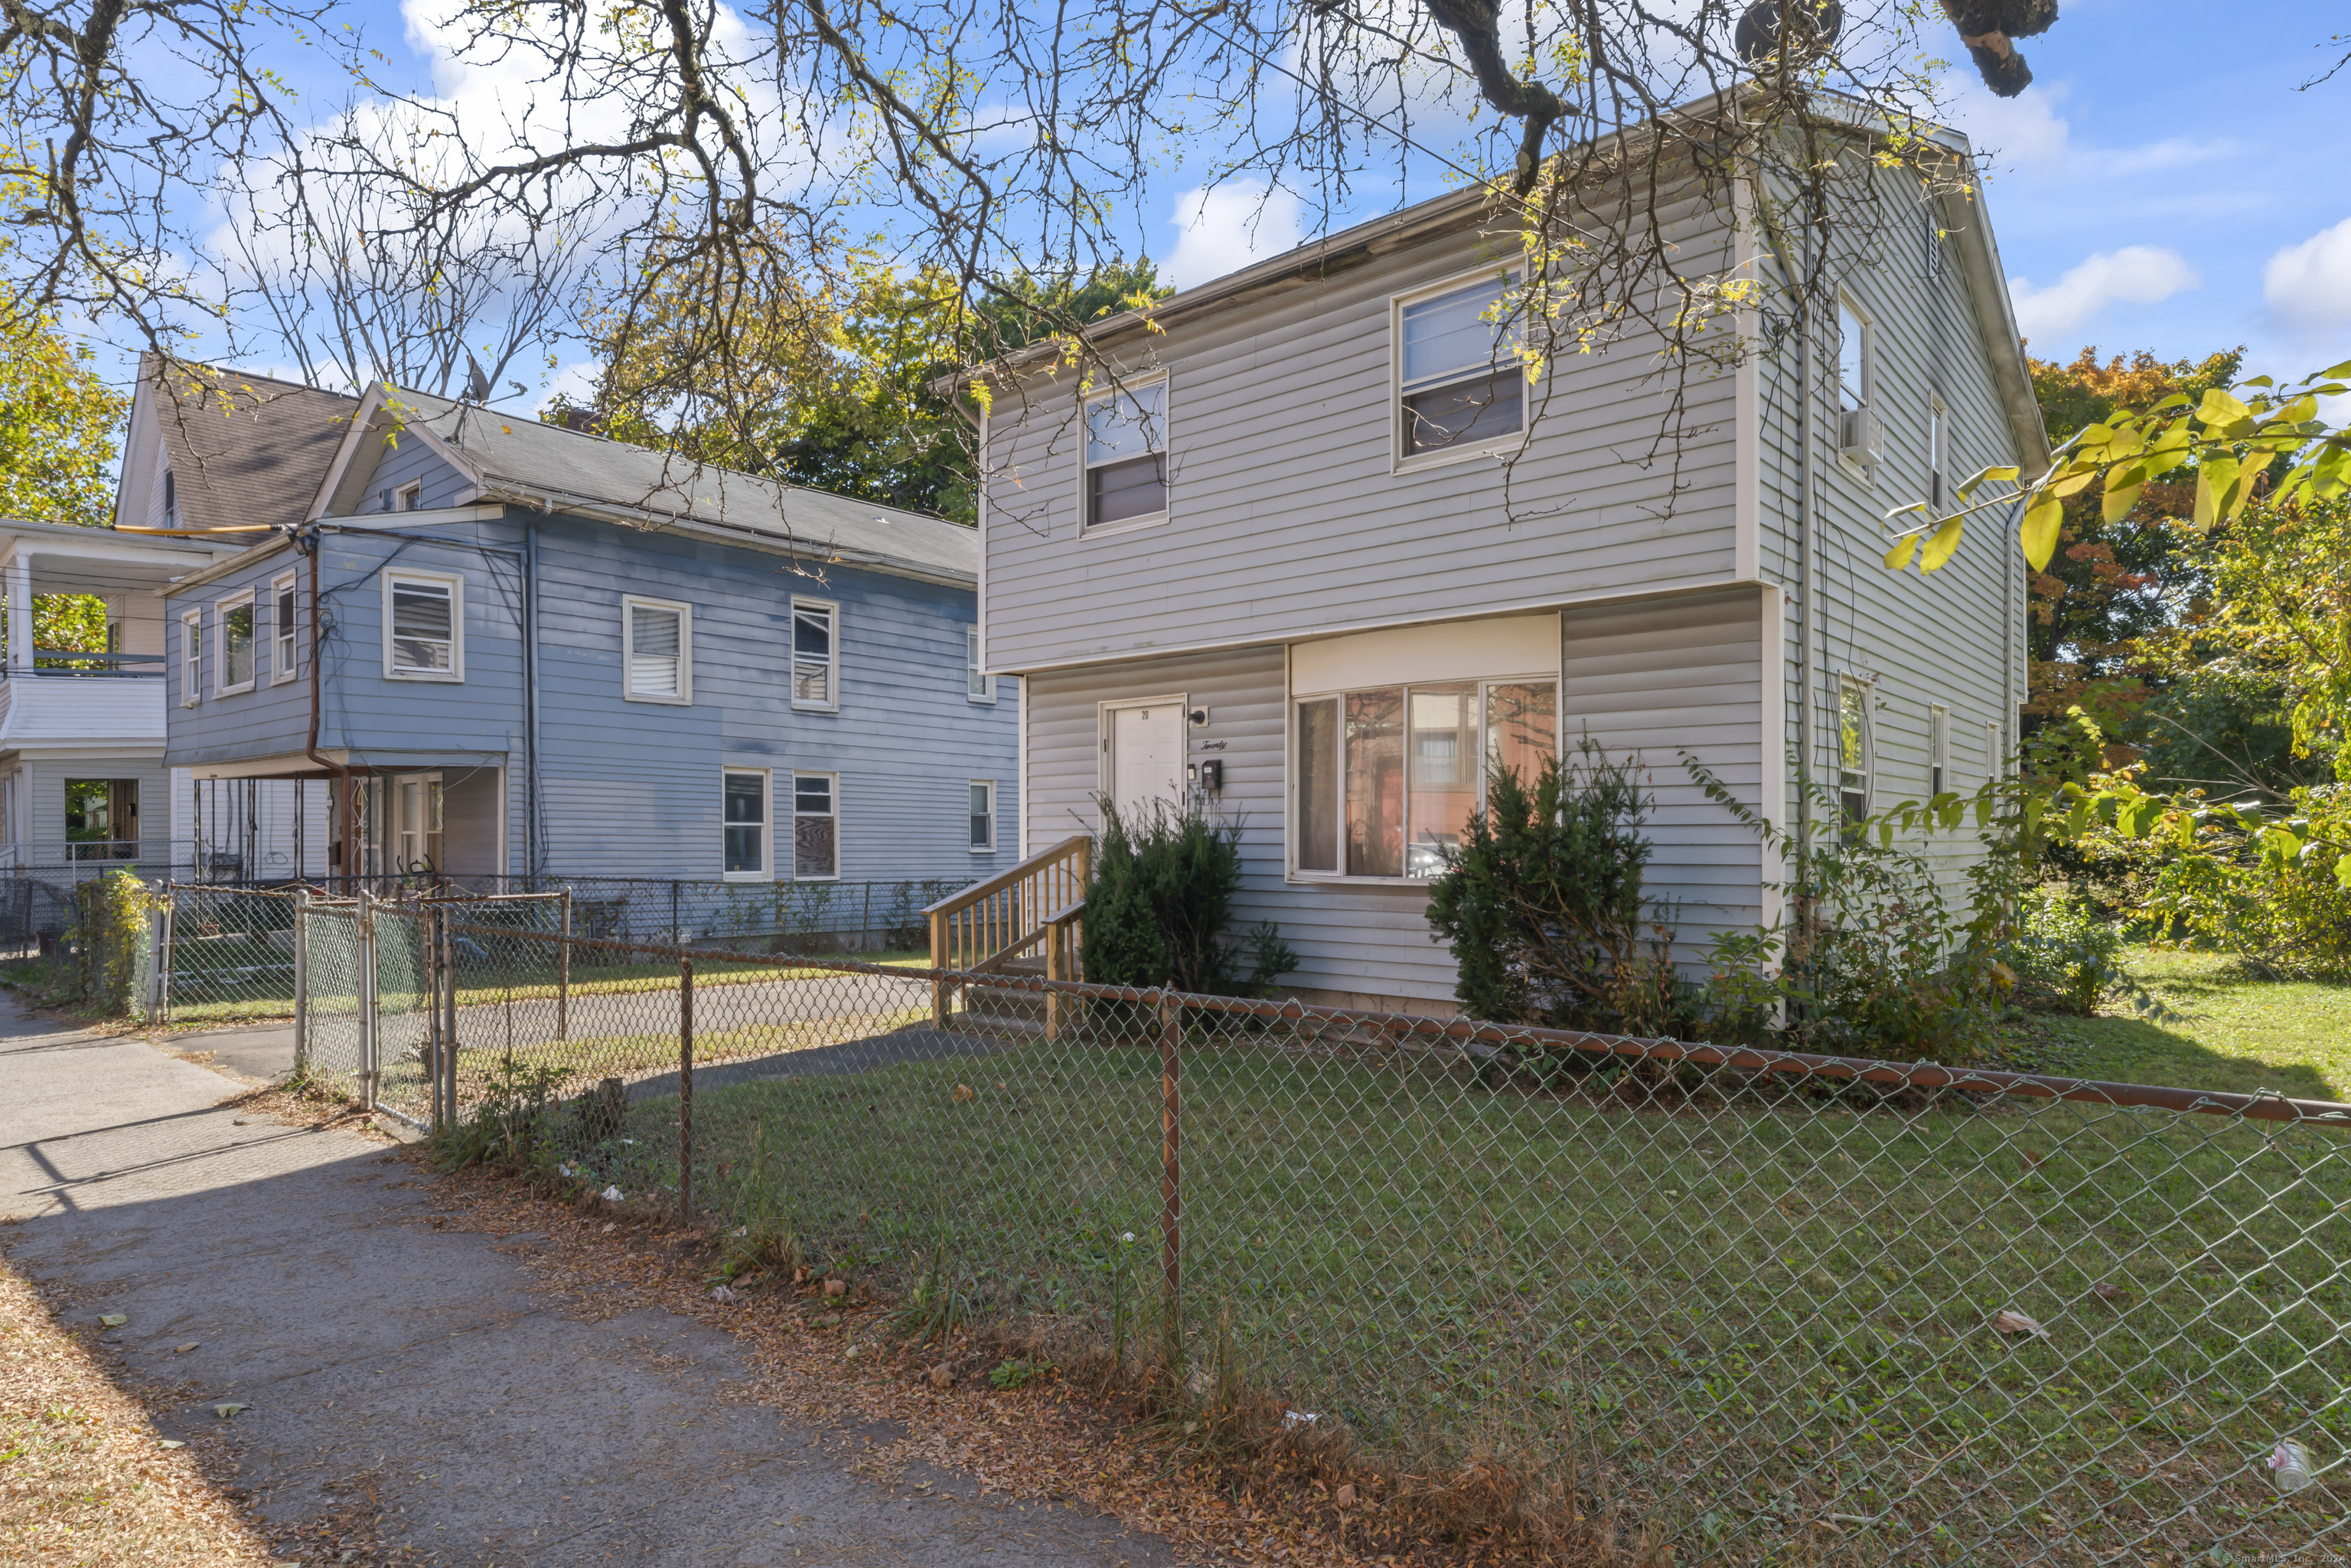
420, 1363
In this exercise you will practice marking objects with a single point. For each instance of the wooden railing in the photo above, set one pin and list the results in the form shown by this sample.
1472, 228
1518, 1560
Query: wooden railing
986, 926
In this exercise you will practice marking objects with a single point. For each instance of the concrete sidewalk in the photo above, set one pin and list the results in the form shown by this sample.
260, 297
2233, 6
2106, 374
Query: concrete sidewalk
381, 1356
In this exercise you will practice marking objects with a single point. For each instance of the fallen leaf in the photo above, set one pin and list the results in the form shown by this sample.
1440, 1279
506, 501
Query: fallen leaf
963, 1091
723, 1294
183, 1349
836, 1287
1345, 1496
610, 1226
942, 1377
170, 1443
2009, 1321
225, 1411
113, 1319
2107, 1290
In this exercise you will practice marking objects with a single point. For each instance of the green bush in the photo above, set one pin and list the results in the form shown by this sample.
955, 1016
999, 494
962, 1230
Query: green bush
1542, 904
2064, 959
1157, 902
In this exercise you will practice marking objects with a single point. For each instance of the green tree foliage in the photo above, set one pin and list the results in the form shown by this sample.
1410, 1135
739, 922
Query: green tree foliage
59, 426
845, 375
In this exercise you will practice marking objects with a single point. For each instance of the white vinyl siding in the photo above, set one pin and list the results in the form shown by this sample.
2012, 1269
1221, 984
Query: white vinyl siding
285, 623
815, 655
658, 666
424, 626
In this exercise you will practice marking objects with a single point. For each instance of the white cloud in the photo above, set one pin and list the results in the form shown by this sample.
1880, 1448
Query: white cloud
1226, 227
2136, 274
2309, 284
2014, 131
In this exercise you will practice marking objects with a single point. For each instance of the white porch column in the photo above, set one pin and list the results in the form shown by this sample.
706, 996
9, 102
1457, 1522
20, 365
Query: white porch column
20, 611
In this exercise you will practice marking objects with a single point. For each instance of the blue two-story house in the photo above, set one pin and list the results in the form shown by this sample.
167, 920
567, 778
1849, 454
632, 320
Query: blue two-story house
511, 648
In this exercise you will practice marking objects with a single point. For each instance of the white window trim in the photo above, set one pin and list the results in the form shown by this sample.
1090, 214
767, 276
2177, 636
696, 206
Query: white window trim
631, 602
281, 668
791, 654
455, 674
1398, 462
1868, 690
403, 495
796, 775
766, 777
1292, 870
243, 597
1859, 463
192, 657
1939, 451
1995, 748
973, 667
1087, 527
990, 848
1938, 749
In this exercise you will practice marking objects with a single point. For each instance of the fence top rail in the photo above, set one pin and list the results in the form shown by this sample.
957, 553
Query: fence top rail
1470, 1032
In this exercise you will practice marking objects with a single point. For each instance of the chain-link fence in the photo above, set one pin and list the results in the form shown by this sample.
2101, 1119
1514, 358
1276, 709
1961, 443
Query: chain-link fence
1783, 1308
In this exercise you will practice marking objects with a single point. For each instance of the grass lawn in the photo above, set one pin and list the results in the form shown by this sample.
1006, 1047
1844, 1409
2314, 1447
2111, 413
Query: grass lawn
2232, 1033
1753, 1315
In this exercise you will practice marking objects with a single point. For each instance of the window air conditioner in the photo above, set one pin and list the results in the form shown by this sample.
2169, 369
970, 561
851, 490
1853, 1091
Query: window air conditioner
1860, 434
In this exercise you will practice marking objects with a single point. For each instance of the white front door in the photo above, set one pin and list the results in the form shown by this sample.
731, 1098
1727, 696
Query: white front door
1146, 759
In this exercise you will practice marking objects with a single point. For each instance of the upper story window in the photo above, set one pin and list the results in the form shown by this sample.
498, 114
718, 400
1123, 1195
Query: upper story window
660, 664
283, 622
1461, 388
192, 658
1858, 428
1388, 778
816, 654
1934, 248
1938, 453
977, 685
1939, 750
237, 643
171, 499
424, 626
1126, 454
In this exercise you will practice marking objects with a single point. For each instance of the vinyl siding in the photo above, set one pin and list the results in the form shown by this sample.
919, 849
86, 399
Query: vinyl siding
1643, 680
1285, 518
1954, 638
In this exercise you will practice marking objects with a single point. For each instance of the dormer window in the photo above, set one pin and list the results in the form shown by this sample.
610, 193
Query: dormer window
171, 499
1461, 388
1126, 454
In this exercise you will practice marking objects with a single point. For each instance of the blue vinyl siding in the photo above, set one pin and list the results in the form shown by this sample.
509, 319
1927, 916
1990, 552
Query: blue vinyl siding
632, 788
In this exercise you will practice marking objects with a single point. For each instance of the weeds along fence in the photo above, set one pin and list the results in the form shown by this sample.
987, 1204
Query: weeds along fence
1777, 1308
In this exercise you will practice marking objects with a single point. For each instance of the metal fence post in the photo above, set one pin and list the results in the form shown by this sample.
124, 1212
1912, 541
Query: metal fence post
432, 981
448, 1002
1171, 1180
301, 982
158, 954
364, 926
686, 1090
563, 974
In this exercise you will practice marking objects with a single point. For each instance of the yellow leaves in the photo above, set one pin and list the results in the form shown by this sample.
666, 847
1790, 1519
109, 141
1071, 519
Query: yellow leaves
1904, 549
2039, 532
1942, 545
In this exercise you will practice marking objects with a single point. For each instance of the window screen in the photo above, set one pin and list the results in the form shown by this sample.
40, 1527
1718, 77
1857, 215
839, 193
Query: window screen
1126, 446
423, 627
816, 827
1462, 383
814, 666
236, 645
656, 652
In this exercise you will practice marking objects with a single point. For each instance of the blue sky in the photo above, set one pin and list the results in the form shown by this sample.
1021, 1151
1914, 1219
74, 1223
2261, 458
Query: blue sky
2161, 185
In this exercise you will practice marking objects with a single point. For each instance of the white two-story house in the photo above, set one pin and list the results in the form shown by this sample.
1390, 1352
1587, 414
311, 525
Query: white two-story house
1316, 545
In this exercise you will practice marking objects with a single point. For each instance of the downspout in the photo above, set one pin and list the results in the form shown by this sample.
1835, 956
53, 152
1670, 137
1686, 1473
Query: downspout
530, 825
1801, 284
306, 539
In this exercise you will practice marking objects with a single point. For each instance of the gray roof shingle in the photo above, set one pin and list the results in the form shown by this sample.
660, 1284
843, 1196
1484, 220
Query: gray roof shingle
246, 449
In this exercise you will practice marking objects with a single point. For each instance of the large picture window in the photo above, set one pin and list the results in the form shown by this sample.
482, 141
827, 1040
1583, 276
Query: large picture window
745, 798
1388, 778
1461, 387
1126, 454
816, 826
